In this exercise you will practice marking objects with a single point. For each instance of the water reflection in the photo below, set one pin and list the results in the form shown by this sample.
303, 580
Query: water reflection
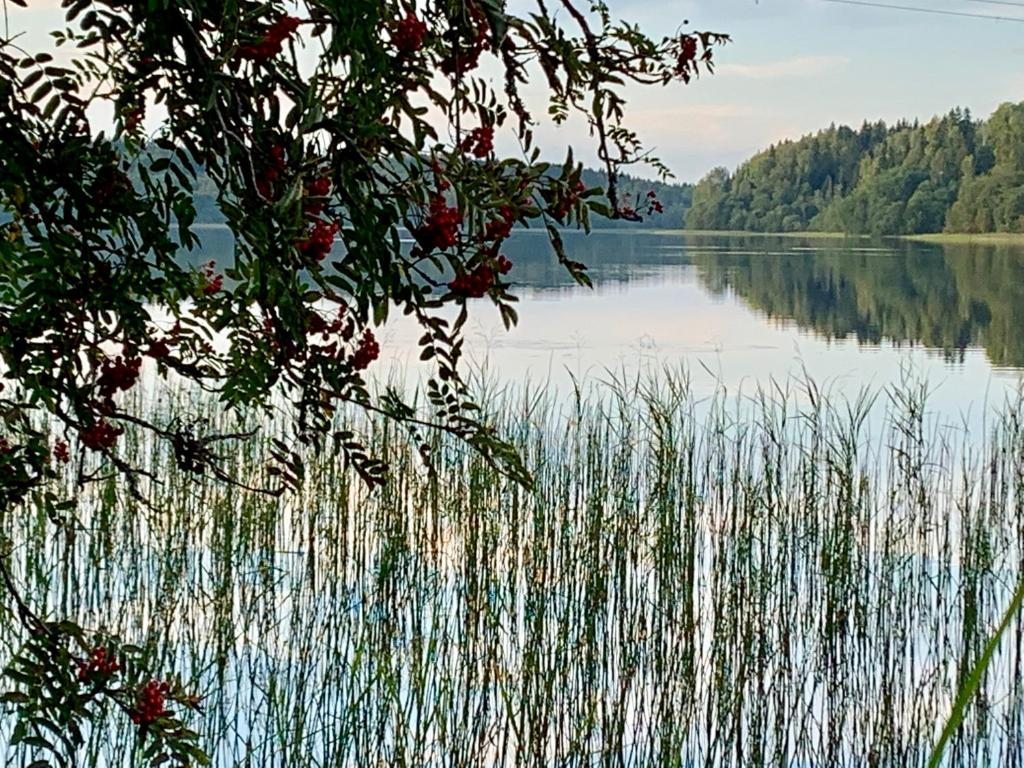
947, 299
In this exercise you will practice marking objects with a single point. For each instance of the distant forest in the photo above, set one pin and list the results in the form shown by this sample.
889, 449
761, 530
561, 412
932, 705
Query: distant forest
952, 174
675, 199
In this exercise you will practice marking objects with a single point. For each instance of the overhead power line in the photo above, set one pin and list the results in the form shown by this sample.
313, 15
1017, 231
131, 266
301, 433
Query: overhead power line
998, 2
937, 11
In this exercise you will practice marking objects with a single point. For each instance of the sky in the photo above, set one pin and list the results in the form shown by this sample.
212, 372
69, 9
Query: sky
793, 67
796, 66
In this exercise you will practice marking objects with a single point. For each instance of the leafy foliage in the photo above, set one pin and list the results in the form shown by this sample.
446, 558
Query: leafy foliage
952, 173
319, 135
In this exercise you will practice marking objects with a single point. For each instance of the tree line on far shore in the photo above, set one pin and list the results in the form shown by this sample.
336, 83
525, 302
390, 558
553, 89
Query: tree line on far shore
951, 174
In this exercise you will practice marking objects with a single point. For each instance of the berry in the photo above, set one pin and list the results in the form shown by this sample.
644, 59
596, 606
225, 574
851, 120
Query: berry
101, 435
409, 34
440, 229
61, 452
320, 240
100, 665
501, 228
480, 141
212, 281
475, 284
150, 703
367, 352
119, 374
273, 40
271, 172
158, 349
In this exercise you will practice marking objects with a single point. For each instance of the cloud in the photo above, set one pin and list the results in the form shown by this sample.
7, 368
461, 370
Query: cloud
801, 66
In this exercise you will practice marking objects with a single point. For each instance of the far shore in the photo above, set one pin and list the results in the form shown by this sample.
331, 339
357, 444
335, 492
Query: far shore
941, 238
955, 238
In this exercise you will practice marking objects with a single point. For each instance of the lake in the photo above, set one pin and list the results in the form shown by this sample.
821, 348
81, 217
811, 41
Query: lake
738, 312
779, 534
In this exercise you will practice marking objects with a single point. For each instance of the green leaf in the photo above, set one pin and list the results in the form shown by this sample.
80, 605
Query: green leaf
969, 687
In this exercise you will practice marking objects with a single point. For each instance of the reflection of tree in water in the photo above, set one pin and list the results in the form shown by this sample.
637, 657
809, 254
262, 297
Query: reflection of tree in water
946, 298
612, 258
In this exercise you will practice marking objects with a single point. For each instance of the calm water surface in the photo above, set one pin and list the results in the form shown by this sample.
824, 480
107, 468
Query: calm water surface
679, 588
740, 311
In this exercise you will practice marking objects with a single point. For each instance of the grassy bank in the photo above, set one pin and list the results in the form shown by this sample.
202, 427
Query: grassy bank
769, 582
788, 235
951, 238
943, 238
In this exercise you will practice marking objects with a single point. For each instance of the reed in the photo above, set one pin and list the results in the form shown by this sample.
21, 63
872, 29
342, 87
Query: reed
787, 579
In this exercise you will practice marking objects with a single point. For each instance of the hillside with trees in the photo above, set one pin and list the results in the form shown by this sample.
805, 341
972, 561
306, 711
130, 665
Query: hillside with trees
952, 174
675, 200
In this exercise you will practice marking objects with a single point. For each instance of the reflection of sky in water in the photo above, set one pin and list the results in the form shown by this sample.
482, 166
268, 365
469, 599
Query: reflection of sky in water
667, 317
693, 301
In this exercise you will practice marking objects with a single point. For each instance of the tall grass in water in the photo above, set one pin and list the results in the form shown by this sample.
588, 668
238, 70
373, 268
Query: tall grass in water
787, 580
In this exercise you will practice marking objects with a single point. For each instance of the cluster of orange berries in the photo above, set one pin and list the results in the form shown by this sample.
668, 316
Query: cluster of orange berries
316, 190
465, 53
158, 349
150, 703
653, 204
100, 665
316, 324
500, 228
273, 40
686, 61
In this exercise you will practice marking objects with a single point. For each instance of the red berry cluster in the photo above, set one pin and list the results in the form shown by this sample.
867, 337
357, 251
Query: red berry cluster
61, 452
273, 40
316, 190
320, 240
629, 213
441, 227
100, 665
119, 374
409, 34
686, 61
316, 324
149, 703
480, 141
567, 203
5, 446
271, 173
367, 351
467, 45
212, 281
500, 228
476, 284
158, 349
653, 204
101, 435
